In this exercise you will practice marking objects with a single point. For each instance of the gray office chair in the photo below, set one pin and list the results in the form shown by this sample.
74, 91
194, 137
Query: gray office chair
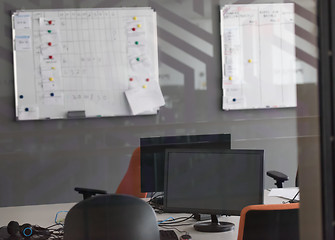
280, 178
111, 217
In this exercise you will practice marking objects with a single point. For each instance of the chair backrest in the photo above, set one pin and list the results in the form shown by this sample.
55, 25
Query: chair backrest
275, 222
111, 217
131, 182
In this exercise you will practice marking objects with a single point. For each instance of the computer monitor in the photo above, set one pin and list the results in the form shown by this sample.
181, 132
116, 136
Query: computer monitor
153, 154
212, 182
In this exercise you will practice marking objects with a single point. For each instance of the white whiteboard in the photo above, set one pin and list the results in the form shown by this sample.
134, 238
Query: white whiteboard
85, 63
258, 56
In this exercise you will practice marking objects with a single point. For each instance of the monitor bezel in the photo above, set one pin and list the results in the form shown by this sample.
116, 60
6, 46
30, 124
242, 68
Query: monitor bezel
227, 212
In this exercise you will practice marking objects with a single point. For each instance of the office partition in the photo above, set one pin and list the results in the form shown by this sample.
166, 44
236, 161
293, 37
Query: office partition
42, 161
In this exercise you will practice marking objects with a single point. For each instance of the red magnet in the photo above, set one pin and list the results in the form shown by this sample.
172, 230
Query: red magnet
50, 22
49, 43
50, 57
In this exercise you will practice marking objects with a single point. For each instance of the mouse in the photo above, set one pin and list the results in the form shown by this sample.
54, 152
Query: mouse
185, 237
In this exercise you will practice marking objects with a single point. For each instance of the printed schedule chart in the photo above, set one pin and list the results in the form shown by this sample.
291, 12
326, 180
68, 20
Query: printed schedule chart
258, 56
85, 63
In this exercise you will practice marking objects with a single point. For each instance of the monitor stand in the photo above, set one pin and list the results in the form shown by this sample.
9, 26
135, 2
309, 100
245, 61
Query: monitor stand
214, 226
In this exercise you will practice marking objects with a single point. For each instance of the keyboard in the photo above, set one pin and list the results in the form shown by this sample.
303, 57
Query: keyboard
168, 235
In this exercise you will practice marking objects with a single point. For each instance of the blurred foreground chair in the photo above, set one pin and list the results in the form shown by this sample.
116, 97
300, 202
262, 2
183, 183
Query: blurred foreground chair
111, 217
130, 184
269, 222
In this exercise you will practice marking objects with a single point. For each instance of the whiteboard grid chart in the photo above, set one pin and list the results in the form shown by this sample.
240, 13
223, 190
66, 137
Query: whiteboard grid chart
258, 56
82, 60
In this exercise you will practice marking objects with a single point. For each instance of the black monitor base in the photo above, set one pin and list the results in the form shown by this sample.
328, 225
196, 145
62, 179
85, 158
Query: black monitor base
214, 226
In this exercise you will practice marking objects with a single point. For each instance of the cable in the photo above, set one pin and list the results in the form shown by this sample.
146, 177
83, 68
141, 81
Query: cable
293, 199
175, 221
153, 198
156, 202
59, 221
168, 219
171, 227
58, 233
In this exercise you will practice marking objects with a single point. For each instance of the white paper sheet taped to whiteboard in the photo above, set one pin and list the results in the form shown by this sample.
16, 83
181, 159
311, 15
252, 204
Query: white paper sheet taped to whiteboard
145, 97
23, 43
258, 56
69, 60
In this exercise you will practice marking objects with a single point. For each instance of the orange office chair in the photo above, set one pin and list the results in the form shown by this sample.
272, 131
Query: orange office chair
130, 184
264, 222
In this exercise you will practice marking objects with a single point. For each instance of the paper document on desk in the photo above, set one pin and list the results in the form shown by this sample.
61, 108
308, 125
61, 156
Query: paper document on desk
287, 193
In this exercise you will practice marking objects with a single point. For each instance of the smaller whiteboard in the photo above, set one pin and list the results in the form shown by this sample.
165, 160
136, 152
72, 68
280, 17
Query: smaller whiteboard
258, 56
75, 63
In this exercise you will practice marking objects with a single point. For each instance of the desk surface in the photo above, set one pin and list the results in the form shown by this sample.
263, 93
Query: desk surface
44, 216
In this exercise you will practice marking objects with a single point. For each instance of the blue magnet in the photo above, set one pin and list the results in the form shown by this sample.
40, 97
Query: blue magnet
51, 94
26, 109
234, 99
21, 96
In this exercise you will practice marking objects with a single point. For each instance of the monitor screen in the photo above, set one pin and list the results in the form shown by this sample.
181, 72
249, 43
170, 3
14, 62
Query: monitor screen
212, 182
153, 155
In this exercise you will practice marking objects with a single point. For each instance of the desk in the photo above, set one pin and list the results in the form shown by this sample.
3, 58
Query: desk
44, 215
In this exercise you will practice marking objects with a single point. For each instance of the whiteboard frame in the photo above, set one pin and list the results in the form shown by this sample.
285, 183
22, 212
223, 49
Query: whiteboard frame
38, 112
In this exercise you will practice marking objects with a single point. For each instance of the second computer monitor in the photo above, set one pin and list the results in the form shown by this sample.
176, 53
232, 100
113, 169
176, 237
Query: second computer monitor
212, 182
153, 154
